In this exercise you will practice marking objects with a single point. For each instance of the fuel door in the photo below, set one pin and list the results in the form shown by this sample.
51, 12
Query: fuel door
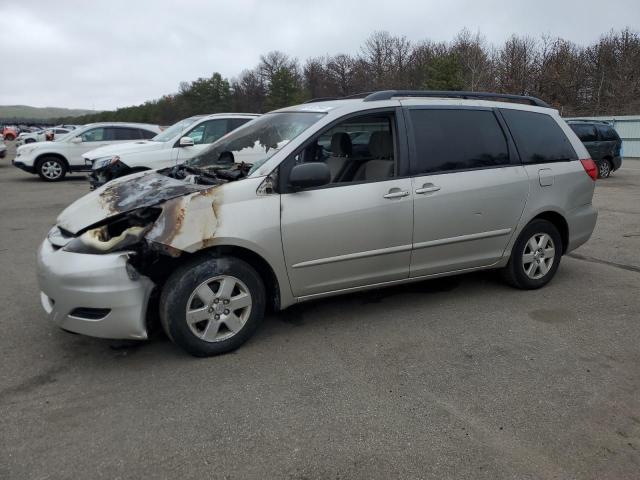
545, 176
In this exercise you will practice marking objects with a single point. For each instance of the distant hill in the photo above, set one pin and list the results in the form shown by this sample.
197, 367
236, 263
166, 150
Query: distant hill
25, 112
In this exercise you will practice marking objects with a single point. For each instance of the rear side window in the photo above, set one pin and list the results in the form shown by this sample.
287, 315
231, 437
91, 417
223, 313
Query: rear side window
125, 134
607, 133
538, 137
584, 131
449, 140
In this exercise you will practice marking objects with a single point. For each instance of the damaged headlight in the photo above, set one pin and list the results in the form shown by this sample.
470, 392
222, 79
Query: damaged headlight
105, 161
120, 233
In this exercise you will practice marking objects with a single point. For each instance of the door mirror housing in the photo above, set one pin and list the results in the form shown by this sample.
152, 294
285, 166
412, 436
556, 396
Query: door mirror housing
307, 175
186, 142
77, 139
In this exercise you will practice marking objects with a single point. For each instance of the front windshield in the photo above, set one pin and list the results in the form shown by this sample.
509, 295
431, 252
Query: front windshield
257, 141
174, 130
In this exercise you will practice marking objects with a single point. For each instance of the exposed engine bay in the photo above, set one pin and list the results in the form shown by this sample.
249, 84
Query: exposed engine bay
213, 175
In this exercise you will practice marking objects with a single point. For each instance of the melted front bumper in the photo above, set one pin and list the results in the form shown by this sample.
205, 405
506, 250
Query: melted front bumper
93, 294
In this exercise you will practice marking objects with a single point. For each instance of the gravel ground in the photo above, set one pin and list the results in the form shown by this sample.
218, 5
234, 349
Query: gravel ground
453, 378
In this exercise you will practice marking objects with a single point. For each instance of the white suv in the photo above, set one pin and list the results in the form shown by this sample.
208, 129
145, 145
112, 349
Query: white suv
178, 143
53, 160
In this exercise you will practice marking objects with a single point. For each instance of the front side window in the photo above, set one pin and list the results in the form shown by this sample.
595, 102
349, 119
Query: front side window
449, 140
257, 142
146, 134
94, 135
360, 149
208, 132
538, 137
585, 132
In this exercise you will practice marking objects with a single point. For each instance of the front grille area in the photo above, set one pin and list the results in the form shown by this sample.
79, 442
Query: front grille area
90, 313
58, 237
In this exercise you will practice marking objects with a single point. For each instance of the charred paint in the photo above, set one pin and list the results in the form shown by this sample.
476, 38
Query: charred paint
146, 190
188, 223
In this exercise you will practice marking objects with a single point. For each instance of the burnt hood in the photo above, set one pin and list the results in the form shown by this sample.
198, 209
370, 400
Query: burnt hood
123, 195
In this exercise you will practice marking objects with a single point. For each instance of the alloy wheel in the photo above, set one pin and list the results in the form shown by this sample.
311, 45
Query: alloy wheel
218, 308
51, 169
538, 256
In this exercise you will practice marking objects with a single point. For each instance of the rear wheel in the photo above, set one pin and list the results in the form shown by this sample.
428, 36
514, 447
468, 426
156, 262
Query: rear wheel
604, 169
535, 257
212, 305
51, 169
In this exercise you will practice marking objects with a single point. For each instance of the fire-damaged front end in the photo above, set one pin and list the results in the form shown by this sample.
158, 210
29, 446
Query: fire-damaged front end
101, 264
110, 254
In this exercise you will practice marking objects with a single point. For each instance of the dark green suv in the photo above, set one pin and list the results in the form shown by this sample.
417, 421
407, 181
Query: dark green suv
602, 142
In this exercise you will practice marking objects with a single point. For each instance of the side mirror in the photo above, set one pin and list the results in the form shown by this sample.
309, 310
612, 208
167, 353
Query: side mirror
186, 142
76, 140
312, 174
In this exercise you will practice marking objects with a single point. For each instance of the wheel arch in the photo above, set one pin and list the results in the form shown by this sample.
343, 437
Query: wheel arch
273, 286
42, 156
558, 221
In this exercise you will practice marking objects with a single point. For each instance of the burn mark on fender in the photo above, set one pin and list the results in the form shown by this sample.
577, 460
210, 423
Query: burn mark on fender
169, 223
188, 222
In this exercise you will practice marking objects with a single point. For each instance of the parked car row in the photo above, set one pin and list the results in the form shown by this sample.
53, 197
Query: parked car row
43, 135
309, 201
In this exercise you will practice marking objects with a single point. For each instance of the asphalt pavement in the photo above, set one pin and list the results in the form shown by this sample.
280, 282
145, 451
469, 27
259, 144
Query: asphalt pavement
455, 378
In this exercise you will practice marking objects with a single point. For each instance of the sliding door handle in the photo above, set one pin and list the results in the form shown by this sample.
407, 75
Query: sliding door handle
396, 193
428, 188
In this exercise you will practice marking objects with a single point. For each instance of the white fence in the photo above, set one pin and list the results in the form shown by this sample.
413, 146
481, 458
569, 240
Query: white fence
628, 127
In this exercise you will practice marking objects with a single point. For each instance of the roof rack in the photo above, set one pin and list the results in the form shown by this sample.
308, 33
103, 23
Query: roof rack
348, 97
389, 94
586, 120
322, 99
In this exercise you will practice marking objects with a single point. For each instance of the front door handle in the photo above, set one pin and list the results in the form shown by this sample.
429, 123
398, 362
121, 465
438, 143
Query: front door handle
427, 188
396, 193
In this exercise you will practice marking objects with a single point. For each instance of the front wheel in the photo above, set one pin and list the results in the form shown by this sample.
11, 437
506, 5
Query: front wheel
535, 256
212, 305
51, 169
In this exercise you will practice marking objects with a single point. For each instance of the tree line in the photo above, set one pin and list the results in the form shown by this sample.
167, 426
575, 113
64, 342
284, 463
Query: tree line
598, 79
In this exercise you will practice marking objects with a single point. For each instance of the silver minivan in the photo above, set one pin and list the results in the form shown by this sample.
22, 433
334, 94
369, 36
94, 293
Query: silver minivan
348, 194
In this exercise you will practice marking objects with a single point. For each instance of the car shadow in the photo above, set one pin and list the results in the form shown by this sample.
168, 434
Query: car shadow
276, 324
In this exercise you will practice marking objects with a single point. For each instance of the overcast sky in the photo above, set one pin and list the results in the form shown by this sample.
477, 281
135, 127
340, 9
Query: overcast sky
109, 54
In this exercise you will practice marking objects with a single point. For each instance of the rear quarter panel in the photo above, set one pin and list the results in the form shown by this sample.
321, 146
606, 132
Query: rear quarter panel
570, 194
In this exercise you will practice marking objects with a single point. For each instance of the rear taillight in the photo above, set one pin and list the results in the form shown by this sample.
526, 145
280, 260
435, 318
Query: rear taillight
591, 168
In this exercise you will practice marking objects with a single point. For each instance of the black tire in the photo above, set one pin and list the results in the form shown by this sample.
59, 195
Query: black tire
604, 169
51, 169
514, 273
180, 290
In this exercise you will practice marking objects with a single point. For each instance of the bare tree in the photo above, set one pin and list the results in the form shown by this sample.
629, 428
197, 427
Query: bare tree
471, 51
516, 65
